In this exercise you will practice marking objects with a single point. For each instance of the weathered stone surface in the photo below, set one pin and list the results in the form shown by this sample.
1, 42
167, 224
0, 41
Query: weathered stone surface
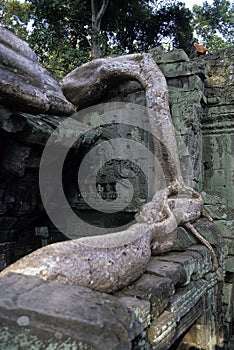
218, 160
102, 263
217, 125
195, 263
162, 330
183, 69
223, 216
185, 307
186, 120
152, 301
203, 260
172, 270
15, 158
46, 313
155, 289
127, 91
160, 56
187, 104
36, 129
24, 83
168, 328
184, 239
210, 232
207, 331
140, 308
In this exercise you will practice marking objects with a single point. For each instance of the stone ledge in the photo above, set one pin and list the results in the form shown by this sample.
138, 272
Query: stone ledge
167, 329
184, 309
47, 312
181, 69
95, 320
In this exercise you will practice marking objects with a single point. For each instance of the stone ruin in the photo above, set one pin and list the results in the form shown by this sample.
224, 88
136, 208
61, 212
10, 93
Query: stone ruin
166, 280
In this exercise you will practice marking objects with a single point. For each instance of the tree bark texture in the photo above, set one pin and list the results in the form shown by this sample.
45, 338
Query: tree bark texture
97, 14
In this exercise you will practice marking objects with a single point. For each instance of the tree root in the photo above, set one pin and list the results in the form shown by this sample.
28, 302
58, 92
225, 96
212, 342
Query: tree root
204, 241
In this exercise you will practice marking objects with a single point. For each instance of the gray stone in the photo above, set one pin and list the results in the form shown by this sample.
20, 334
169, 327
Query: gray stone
184, 239
161, 56
161, 331
172, 270
55, 313
203, 262
185, 307
24, 83
211, 232
140, 314
165, 330
36, 129
183, 69
187, 261
15, 158
155, 289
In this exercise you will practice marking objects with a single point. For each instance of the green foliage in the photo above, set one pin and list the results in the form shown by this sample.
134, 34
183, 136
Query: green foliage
214, 23
60, 31
60, 35
140, 25
16, 17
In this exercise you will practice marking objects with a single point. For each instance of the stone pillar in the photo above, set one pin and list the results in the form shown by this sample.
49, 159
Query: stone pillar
218, 126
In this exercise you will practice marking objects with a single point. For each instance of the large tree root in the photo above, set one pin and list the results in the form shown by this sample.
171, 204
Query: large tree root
107, 268
204, 241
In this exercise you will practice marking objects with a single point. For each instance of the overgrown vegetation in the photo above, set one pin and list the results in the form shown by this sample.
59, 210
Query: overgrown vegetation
65, 34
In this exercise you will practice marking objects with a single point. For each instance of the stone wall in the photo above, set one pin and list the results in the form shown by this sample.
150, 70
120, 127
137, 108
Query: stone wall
202, 99
201, 102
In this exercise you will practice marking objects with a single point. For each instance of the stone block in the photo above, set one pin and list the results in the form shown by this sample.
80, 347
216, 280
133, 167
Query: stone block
174, 271
165, 330
229, 242
140, 308
184, 240
54, 313
229, 263
226, 227
211, 232
203, 260
186, 260
36, 129
183, 69
154, 289
15, 158
186, 297
161, 56
162, 331
185, 84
